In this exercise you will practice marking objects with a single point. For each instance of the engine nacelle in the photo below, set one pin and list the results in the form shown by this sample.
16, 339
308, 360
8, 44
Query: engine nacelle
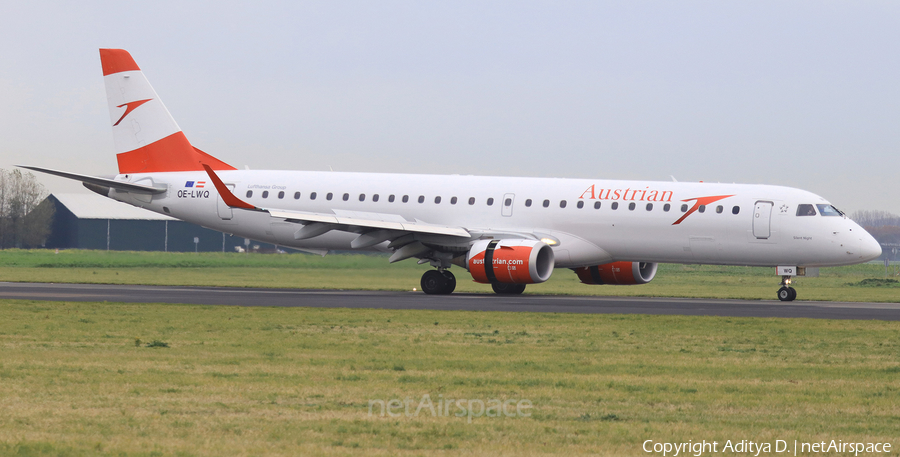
510, 261
618, 273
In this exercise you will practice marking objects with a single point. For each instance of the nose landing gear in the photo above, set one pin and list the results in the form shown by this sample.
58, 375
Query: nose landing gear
786, 292
438, 282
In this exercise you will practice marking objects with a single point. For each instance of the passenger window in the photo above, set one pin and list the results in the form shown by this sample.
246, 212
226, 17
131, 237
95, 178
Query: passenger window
546, 203
735, 210
421, 199
328, 196
471, 200
437, 200
452, 200
683, 208
649, 206
265, 194
562, 203
249, 193
615, 205
281, 194
375, 198
702, 208
528, 203
405, 198
362, 197
667, 207
806, 210
507, 202
596, 205
719, 209
312, 196
296, 195
631, 206
490, 202
580, 204
828, 210
391, 198
346, 197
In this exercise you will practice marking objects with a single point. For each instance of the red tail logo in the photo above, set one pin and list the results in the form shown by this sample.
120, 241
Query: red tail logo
130, 106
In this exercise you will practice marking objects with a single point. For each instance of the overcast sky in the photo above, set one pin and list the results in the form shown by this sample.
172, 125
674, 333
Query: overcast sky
801, 94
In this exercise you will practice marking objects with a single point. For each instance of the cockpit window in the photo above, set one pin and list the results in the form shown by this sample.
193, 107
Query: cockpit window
828, 210
806, 210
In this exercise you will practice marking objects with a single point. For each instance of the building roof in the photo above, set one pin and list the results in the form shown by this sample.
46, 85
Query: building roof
94, 206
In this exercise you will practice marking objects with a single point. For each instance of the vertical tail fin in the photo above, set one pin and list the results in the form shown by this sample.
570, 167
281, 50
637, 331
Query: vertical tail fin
147, 139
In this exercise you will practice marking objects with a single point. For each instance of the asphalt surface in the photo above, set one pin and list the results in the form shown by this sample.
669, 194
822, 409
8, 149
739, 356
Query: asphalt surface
466, 302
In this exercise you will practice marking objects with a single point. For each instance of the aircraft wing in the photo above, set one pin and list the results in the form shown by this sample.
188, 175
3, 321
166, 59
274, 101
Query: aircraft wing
369, 221
374, 228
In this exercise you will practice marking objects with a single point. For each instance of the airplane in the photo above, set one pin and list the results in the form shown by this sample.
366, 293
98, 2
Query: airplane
505, 231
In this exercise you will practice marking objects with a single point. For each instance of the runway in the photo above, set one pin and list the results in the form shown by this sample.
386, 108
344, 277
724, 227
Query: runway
455, 302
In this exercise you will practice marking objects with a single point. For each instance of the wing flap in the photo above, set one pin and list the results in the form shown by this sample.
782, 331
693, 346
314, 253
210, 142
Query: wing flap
373, 221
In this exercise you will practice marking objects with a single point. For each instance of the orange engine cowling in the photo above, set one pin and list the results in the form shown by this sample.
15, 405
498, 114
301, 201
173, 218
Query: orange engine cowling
510, 261
618, 273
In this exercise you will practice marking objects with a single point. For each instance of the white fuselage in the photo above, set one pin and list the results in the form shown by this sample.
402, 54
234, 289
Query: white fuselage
754, 225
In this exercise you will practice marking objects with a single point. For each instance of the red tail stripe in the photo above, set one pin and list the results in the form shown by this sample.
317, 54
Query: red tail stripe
172, 153
117, 61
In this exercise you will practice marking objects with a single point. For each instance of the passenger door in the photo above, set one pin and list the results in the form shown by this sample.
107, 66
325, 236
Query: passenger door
225, 212
762, 220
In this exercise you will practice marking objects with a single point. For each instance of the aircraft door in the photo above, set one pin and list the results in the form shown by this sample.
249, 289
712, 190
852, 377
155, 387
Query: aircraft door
506, 206
225, 212
762, 220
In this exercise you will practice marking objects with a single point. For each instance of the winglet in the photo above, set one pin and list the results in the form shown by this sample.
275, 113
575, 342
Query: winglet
226, 194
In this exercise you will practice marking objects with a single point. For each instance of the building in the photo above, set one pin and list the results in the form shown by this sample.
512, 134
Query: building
90, 221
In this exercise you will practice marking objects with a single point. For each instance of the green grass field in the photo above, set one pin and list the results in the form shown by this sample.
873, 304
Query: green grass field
372, 272
85, 379
74, 380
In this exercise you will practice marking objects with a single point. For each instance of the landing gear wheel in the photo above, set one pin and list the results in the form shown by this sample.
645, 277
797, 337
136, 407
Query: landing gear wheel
508, 289
436, 282
450, 286
787, 293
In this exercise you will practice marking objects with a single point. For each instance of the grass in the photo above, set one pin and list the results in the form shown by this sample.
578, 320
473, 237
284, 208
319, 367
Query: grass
372, 272
118, 379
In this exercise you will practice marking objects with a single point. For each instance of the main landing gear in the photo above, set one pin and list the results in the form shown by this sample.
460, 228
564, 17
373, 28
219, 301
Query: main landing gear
786, 292
438, 282
507, 289
442, 282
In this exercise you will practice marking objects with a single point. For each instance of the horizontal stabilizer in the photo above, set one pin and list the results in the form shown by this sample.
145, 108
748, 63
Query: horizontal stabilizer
104, 182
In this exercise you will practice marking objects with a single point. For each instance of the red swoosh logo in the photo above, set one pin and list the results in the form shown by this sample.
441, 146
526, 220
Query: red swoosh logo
130, 106
700, 201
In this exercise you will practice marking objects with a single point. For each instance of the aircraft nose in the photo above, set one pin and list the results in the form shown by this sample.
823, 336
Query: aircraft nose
869, 248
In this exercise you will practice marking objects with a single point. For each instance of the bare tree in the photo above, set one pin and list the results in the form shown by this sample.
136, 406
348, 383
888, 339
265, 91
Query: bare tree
875, 218
24, 222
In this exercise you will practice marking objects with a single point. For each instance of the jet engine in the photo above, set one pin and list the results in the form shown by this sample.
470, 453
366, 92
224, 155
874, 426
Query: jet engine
618, 273
510, 261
